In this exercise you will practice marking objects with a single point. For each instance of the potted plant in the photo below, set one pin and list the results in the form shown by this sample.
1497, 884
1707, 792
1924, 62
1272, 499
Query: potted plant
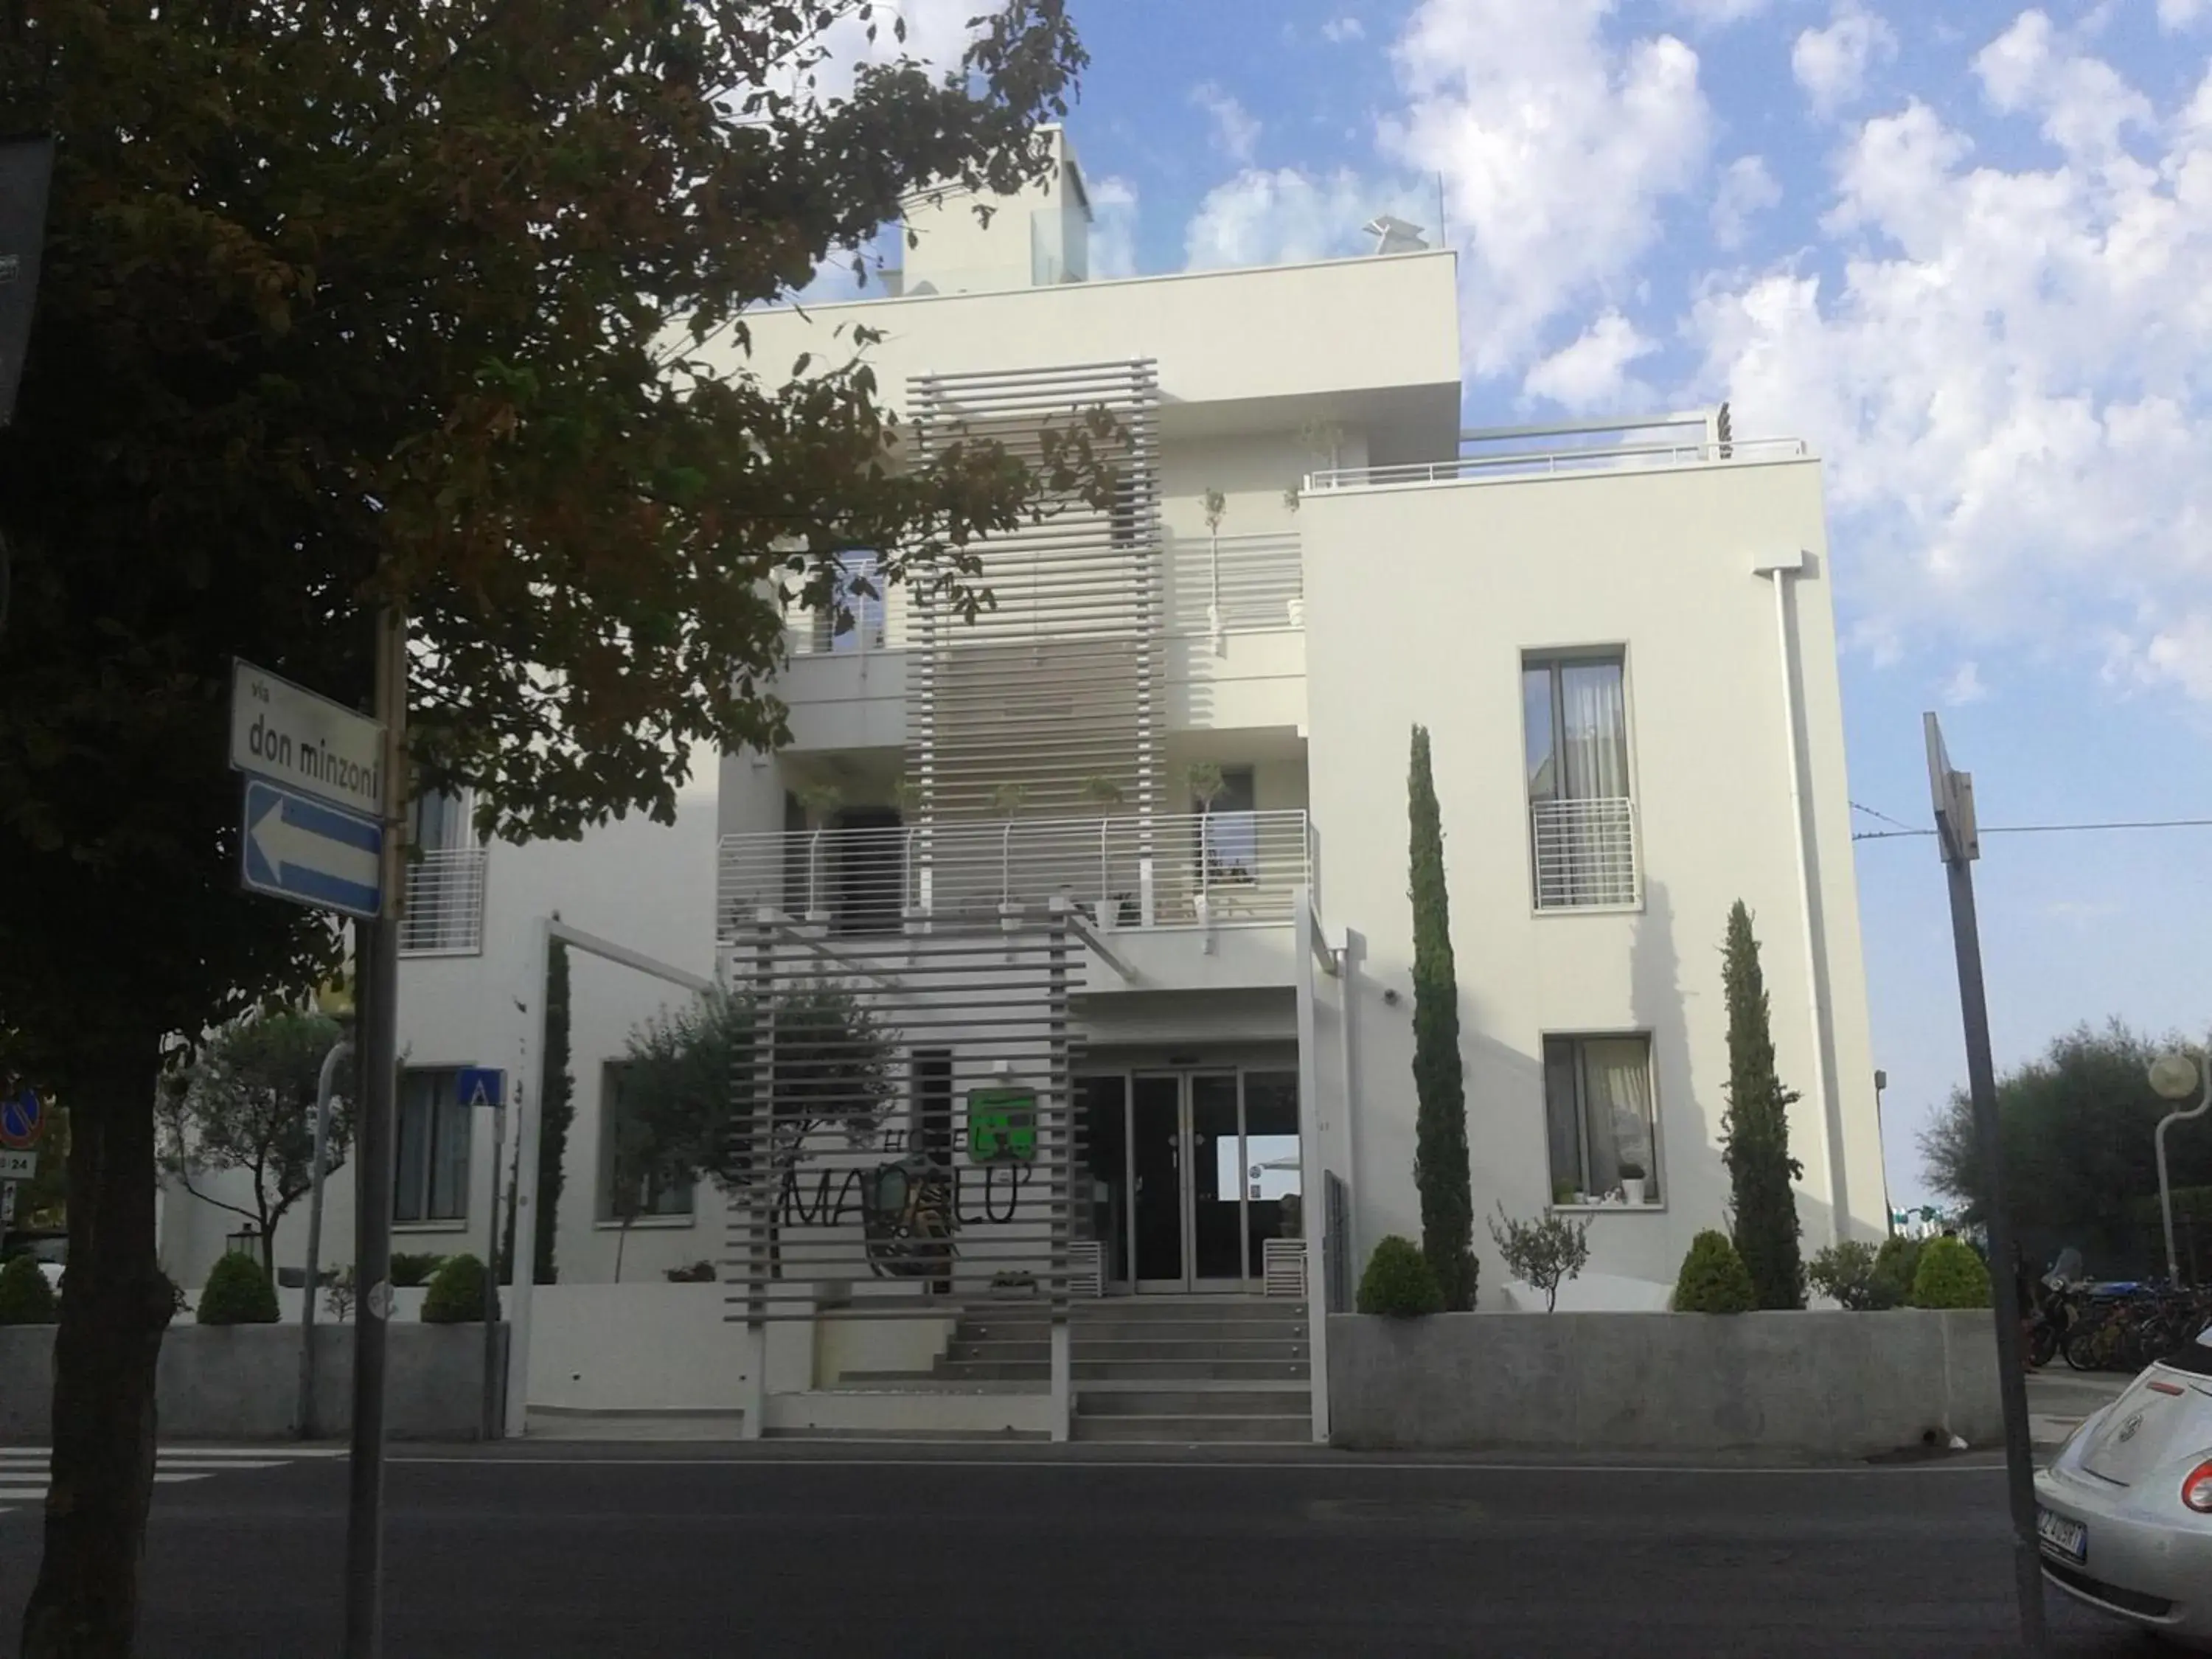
1012, 1286
1632, 1183
1563, 1194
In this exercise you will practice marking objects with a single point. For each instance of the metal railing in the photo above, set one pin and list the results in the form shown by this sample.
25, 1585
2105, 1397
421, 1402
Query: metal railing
1224, 869
1246, 583
1551, 462
1585, 854
444, 913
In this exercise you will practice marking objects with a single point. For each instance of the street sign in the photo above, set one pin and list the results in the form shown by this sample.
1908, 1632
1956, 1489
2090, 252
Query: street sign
1002, 1126
18, 1166
481, 1085
23, 1120
293, 848
1952, 795
7, 1204
288, 733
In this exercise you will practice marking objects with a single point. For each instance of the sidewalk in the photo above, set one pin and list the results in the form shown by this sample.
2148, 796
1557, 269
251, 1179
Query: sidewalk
2058, 1398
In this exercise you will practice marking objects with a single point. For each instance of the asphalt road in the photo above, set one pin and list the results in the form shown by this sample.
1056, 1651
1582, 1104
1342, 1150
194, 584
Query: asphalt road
858, 1553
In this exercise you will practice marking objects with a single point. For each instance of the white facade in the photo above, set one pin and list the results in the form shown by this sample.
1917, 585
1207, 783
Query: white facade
1371, 568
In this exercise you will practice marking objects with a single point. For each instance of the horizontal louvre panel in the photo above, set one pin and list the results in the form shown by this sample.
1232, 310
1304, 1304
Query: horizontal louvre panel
1585, 854
1259, 579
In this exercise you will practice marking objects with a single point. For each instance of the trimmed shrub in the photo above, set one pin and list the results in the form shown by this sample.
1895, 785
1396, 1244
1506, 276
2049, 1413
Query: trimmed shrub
408, 1271
238, 1291
456, 1292
1714, 1279
1846, 1272
1895, 1264
1950, 1275
25, 1298
1399, 1283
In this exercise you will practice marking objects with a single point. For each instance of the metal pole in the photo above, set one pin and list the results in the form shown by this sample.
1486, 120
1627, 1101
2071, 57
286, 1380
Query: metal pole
378, 953
341, 1051
1982, 1086
491, 1393
2164, 1182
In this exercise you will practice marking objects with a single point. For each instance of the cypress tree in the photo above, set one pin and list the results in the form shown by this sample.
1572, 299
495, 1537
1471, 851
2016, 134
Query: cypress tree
1755, 1130
1440, 1149
556, 1109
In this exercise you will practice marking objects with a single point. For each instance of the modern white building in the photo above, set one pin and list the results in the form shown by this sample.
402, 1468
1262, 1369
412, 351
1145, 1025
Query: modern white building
1177, 743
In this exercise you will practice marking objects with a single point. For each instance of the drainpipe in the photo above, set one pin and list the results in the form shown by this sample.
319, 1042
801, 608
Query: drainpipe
1778, 570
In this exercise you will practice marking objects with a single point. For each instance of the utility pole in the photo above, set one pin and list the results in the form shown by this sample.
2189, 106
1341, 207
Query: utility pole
377, 948
1953, 794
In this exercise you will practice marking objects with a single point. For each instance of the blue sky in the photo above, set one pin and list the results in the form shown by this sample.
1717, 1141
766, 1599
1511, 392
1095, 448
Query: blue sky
1965, 250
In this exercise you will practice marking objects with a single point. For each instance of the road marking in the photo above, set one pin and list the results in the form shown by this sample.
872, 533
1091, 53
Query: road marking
1187, 1466
24, 1470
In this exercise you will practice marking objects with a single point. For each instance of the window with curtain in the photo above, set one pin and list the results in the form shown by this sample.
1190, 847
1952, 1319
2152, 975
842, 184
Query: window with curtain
431, 1180
439, 821
1582, 815
1231, 828
861, 597
629, 1184
1601, 1115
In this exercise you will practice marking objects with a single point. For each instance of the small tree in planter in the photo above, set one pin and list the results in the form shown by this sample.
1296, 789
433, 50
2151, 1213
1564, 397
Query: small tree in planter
25, 1298
1399, 1283
1894, 1266
1950, 1275
1543, 1254
238, 1291
1846, 1272
456, 1296
1714, 1278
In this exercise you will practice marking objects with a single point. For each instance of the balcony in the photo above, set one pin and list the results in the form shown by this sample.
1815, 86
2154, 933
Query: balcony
1586, 854
444, 911
1575, 448
1225, 869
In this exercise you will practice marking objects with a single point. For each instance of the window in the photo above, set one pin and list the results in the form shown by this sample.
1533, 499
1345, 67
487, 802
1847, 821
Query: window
931, 1081
629, 1184
1582, 818
431, 1182
439, 821
1232, 830
860, 601
1597, 1098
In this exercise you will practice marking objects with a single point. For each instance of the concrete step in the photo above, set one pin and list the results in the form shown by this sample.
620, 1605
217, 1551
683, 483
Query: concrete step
1132, 1330
1098, 1348
1284, 1429
1193, 1402
1132, 1370
1201, 1308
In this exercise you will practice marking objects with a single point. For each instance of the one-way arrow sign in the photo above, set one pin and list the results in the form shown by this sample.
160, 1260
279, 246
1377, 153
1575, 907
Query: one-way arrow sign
299, 848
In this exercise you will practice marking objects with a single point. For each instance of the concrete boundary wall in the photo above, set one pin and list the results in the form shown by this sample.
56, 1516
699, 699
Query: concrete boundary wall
1799, 1384
242, 1383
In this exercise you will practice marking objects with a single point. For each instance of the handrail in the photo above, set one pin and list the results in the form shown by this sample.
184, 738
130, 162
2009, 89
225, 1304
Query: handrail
1555, 462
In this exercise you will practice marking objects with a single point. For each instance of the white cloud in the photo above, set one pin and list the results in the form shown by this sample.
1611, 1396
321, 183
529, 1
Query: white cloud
1717, 13
1341, 31
1264, 217
1831, 64
1965, 686
1592, 373
2181, 14
1558, 149
1235, 130
1747, 189
1113, 227
2011, 375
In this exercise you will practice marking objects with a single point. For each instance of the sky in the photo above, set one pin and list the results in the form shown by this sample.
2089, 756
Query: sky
1965, 250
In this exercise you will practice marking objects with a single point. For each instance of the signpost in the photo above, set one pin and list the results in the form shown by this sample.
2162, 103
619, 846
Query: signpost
292, 847
19, 1166
22, 1121
485, 1087
287, 735
1953, 796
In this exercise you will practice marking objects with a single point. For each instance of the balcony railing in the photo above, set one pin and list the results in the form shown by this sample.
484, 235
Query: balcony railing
1225, 869
444, 914
1555, 463
1585, 854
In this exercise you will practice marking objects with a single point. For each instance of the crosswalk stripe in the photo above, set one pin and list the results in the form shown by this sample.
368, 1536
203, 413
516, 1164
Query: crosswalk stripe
22, 1494
214, 1467
164, 1477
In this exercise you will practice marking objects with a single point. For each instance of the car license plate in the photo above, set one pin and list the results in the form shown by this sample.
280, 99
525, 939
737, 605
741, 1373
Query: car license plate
2061, 1536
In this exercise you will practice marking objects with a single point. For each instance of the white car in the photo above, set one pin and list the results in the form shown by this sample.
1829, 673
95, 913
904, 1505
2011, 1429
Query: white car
2124, 1511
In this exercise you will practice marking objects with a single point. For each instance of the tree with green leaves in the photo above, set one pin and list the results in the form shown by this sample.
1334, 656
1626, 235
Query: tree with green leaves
1441, 1168
1755, 1129
248, 1103
352, 305
691, 1104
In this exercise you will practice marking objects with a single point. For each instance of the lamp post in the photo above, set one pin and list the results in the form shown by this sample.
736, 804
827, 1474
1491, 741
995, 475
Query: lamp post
2174, 1077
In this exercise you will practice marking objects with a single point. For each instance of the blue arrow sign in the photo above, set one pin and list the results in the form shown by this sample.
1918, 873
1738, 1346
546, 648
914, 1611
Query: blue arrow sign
293, 847
21, 1120
480, 1085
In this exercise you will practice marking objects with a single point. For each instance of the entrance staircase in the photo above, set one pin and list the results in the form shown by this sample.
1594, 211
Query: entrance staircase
1147, 1370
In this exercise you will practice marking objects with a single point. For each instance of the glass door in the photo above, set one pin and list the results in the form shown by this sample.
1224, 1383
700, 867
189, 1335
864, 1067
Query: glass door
1217, 1188
1156, 1164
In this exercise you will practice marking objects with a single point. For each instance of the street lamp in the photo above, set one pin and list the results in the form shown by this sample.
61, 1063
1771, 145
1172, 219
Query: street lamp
2174, 1077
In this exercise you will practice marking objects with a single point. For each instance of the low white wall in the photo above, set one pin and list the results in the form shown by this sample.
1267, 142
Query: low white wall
651, 1347
876, 1344
913, 1415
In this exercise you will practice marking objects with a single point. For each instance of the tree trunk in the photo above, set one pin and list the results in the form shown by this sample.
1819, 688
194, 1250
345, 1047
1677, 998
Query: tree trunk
85, 1605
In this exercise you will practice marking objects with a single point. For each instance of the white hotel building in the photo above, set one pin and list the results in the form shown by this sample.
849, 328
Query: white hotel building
1621, 640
